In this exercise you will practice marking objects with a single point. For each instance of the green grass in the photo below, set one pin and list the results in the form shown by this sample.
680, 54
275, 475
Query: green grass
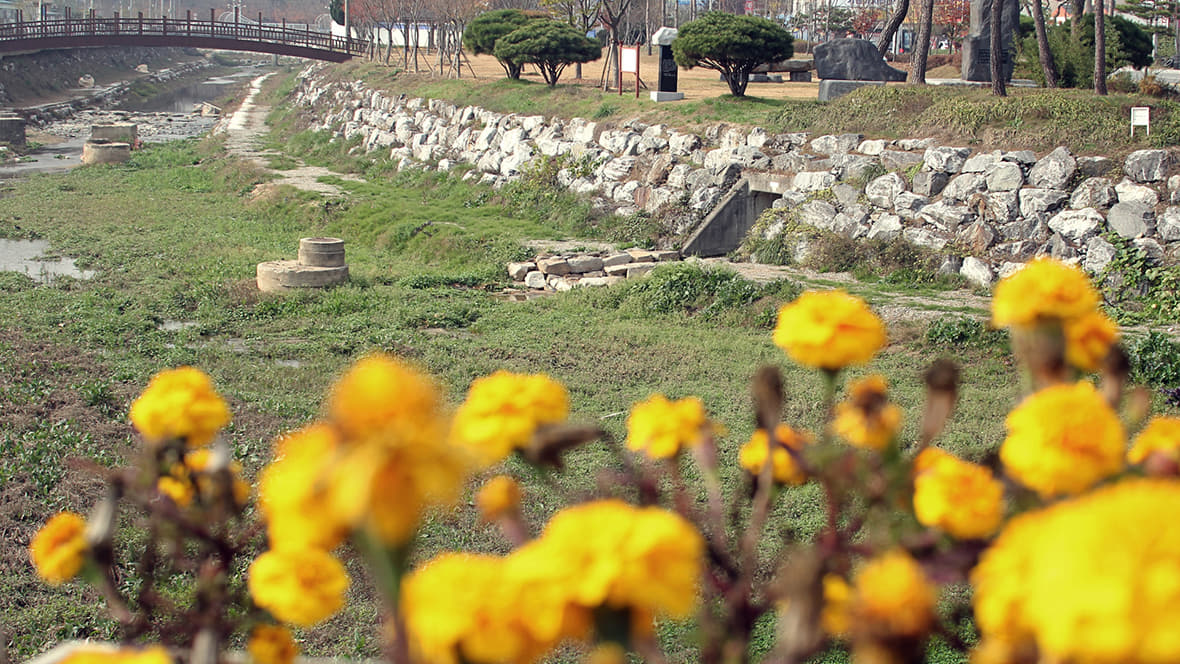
426, 253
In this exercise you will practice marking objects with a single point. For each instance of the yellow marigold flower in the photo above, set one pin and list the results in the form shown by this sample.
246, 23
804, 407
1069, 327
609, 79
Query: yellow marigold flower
177, 486
180, 404
829, 330
1062, 440
627, 557
1093, 580
892, 595
504, 409
660, 428
499, 496
461, 607
292, 491
272, 644
753, 454
1045, 289
867, 419
1162, 434
58, 550
98, 654
1088, 339
955, 496
383, 395
408, 481
835, 616
298, 586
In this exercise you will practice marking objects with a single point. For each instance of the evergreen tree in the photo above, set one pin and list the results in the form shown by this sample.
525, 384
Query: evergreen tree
732, 45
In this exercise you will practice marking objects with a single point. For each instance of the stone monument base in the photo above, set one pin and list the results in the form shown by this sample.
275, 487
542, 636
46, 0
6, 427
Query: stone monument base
830, 89
666, 96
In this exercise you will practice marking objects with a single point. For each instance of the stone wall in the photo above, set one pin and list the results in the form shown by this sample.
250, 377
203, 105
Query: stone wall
988, 211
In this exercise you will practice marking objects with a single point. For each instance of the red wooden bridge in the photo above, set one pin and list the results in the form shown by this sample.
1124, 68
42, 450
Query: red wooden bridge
90, 31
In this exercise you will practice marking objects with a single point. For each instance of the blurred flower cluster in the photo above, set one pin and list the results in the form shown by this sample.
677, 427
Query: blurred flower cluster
1064, 534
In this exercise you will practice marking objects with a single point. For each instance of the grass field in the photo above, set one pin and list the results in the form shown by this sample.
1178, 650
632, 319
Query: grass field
426, 254
175, 236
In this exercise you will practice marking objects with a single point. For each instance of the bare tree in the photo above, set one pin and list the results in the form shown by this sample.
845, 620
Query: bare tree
895, 20
918, 62
1043, 53
582, 14
612, 13
1100, 49
997, 49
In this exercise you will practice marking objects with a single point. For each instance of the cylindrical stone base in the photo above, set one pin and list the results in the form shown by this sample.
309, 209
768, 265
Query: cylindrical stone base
104, 152
278, 276
321, 251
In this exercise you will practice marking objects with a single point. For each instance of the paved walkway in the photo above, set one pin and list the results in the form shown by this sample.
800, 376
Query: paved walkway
244, 129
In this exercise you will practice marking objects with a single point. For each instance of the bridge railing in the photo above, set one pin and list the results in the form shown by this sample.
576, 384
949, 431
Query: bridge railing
96, 26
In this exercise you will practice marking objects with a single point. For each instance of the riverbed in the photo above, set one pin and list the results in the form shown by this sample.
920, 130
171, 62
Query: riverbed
169, 116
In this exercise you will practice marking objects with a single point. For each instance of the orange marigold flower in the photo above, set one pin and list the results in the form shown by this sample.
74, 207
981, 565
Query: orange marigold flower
272, 644
499, 496
867, 419
503, 410
1062, 440
1094, 579
58, 550
384, 395
753, 454
892, 595
660, 428
955, 496
1045, 289
298, 586
1088, 339
1161, 435
180, 404
829, 330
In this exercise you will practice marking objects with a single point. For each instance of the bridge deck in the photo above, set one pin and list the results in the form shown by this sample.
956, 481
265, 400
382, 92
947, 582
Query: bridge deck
91, 31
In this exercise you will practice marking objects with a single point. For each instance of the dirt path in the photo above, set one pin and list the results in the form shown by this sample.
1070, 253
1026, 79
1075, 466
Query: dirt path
243, 131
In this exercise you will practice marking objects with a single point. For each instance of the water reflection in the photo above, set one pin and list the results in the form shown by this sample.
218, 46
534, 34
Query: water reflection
28, 257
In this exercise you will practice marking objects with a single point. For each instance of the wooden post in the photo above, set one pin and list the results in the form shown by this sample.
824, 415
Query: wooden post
141, 23
188, 22
67, 20
116, 23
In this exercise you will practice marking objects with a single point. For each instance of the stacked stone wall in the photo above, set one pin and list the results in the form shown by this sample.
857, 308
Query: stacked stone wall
988, 211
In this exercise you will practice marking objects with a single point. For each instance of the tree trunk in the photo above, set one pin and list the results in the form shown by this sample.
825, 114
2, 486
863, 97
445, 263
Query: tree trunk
918, 62
1175, 32
895, 20
1075, 17
1100, 49
1043, 52
996, 50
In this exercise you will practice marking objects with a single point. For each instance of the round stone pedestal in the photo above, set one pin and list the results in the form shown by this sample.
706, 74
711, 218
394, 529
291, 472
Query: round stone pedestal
279, 276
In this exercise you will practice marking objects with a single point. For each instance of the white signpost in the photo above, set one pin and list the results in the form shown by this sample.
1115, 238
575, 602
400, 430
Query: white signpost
1141, 117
